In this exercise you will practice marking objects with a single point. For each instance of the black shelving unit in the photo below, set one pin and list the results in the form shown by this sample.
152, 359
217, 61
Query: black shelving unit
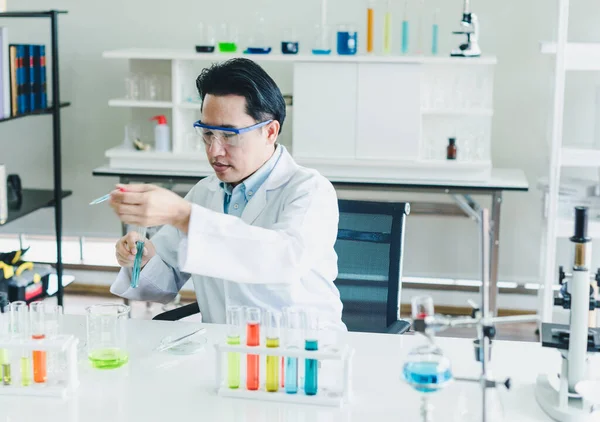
34, 199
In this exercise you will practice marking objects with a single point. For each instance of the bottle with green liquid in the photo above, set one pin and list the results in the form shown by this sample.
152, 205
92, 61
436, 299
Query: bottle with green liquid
235, 326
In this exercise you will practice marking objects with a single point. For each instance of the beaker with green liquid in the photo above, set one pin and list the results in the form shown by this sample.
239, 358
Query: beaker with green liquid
107, 336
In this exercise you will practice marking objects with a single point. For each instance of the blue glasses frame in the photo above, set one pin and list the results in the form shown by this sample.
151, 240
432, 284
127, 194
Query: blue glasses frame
239, 131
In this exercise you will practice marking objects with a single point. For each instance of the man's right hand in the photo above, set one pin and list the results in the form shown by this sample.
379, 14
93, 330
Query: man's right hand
126, 248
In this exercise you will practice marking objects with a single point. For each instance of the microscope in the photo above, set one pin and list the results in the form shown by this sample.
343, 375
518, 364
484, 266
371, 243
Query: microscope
471, 24
556, 394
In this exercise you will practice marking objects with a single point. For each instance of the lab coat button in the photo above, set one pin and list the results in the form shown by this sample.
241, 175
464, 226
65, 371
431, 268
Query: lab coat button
236, 206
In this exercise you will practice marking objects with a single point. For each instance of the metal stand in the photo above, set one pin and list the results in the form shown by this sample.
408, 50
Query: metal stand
481, 319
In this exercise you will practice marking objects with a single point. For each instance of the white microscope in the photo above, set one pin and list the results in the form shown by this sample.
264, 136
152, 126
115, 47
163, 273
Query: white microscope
471, 24
556, 394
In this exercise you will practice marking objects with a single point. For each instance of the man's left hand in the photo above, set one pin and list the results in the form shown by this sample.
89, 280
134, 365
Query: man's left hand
149, 205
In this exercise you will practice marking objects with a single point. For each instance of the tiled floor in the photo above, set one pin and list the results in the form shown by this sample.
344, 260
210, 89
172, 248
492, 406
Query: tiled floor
76, 304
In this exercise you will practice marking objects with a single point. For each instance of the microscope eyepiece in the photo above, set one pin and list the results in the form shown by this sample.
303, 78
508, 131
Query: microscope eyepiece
581, 226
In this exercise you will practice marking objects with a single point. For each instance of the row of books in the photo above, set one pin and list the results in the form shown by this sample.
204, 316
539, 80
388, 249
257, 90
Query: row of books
23, 86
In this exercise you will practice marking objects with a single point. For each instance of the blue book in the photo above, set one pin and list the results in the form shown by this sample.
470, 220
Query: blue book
27, 77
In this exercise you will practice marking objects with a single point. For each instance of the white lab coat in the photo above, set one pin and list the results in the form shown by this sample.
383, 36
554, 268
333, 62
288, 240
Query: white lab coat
279, 253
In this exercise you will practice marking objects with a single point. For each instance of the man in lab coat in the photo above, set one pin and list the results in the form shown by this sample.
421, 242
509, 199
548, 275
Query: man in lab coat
259, 233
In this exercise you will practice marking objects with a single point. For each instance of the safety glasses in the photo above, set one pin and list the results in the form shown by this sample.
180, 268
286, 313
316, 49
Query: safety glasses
232, 137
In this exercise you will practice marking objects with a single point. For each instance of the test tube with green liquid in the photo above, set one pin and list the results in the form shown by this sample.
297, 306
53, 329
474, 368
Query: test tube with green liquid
273, 333
21, 331
235, 326
5, 324
311, 342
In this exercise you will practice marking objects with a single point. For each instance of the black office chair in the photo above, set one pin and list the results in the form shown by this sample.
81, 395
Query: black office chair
369, 245
370, 248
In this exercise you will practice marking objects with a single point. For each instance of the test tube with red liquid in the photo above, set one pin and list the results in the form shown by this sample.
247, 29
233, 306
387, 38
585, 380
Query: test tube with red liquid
38, 332
252, 339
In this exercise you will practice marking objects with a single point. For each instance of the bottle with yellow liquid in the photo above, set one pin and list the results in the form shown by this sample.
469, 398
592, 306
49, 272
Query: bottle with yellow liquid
235, 327
273, 333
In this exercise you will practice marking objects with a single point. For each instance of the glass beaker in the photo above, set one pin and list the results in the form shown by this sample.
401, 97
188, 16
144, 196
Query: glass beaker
347, 40
207, 38
289, 42
322, 43
106, 335
228, 38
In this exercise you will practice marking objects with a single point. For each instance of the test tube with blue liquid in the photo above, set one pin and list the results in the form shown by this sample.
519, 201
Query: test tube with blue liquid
293, 340
405, 29
311, 343
139, 255
435, 33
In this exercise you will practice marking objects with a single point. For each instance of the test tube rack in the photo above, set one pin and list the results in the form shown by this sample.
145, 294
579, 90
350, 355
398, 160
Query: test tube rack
324, 396
66, 344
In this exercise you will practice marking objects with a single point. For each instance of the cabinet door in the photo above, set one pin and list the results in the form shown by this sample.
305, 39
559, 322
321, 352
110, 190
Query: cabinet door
325, 110
389, 111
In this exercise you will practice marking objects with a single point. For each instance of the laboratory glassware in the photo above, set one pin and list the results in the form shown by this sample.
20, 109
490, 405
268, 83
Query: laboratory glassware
273, 334
347, 40
252, 339
207, 38
405, 29
311, 342
426, 369
38, 332
322, 42
387, 28
228, 38
370, 26
235, 326
258, 41
5, 375
290, 43
420, 11
133, 87
435, 33
20, 329
56, 361
139, 255
106, 335
451, 149
293, 341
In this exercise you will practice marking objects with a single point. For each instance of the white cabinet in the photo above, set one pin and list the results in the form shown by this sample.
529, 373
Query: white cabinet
325, 110
388, 124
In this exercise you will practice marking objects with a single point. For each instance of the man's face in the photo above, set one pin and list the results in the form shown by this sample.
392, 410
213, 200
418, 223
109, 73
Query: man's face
233, 164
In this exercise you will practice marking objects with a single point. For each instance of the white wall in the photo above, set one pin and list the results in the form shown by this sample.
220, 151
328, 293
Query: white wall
511, 30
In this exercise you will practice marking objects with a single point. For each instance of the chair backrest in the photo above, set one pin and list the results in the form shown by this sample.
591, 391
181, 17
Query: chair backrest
370, 246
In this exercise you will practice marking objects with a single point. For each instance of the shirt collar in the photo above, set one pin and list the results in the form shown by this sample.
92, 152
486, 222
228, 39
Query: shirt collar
255, 181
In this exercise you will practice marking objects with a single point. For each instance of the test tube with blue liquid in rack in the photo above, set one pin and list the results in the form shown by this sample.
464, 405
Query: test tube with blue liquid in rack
235, 326
311, 343
139, 255
405, 29
426, 369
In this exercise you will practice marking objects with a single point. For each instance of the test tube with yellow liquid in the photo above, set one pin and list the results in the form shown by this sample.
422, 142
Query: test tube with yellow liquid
21, 331
273, 333
5, 333
235, 326
387, 28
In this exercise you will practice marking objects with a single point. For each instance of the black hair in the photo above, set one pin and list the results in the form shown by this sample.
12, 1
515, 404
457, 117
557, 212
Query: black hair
245, 78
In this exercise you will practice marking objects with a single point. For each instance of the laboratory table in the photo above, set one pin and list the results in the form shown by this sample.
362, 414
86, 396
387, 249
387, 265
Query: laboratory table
158, 386
501, 180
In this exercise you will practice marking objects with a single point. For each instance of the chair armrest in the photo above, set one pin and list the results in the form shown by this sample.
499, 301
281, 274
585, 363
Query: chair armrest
398, 327
178, 313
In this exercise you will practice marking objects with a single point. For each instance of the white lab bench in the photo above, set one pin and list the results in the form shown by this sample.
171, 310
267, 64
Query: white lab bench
157, 386
385, 190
